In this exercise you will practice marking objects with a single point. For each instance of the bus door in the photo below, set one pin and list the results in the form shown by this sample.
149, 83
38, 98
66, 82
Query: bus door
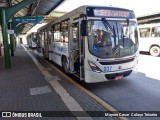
38, 39
46, 44
50, 38
76, 51
81, 49
74, 48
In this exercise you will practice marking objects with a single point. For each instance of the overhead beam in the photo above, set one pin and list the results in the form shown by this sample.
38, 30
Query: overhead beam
10, 11
19, 27
9, 2
55, 6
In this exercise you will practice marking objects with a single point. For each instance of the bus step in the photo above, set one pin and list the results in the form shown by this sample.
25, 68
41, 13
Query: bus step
82, 79
77, 75
73, 72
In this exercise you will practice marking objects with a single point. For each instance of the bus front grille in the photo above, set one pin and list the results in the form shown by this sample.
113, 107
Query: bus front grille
113, 75
117, 62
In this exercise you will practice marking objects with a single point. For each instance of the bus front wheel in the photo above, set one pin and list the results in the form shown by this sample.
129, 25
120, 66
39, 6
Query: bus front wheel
65, 65
155, 51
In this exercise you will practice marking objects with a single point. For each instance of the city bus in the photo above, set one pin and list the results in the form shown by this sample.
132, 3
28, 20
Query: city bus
94, 43
31, 40
150, 38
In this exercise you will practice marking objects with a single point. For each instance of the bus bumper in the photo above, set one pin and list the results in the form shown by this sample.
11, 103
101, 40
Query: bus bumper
93, 77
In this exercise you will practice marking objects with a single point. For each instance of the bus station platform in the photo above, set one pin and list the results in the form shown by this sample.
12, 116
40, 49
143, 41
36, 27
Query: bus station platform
32, 85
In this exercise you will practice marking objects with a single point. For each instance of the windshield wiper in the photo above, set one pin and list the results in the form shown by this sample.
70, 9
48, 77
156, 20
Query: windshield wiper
127, 30
122, 36
117, 47
107, 25
114, 35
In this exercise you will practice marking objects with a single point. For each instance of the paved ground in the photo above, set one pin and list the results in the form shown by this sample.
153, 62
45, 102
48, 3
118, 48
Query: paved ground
23, 88
17, 84
139, 92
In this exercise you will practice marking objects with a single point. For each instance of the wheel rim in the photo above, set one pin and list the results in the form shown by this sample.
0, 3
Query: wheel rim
155, 51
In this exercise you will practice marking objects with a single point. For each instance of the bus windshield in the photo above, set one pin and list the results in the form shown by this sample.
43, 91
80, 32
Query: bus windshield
112, 39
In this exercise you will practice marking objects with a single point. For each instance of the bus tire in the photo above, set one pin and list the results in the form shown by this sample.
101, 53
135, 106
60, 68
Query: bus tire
65, 64
155, 51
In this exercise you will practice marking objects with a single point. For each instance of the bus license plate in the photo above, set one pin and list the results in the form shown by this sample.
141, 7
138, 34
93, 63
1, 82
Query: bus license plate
119, 77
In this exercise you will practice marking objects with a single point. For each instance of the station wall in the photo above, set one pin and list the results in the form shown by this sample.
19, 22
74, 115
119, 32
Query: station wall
21, 39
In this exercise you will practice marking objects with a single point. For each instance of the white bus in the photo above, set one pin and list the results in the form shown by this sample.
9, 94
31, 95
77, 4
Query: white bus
94, 43
31, 40
150, 38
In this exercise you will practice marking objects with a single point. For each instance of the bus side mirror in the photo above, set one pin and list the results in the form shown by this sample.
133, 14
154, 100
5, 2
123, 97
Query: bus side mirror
83, 28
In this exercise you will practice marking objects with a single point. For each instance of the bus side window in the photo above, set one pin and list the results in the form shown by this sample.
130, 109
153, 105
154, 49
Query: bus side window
64, 31
155, 32
144, 32
57, 32
75, 35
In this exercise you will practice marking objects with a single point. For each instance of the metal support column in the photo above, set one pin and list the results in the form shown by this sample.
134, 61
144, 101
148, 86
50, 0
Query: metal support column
15, 43
11, 39
10, 11
5, 15
5, 40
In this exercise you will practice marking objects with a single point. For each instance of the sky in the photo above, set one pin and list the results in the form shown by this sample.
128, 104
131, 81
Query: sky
141, 7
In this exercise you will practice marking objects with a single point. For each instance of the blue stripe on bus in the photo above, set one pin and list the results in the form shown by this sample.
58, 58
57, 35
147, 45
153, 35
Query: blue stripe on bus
54, 53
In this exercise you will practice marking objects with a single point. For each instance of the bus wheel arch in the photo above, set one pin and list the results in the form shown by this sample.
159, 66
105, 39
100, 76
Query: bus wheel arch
155, 50
65, 65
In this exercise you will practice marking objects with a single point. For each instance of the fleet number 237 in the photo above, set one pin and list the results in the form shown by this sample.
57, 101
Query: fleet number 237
107, 68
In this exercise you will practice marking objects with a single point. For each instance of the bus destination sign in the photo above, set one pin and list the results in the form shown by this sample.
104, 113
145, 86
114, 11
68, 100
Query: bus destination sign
111, 13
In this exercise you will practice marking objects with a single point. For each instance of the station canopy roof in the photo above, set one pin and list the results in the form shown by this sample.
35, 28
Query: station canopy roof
43, 8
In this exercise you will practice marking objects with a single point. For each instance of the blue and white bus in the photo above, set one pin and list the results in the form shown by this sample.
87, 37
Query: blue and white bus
31, 40
150, 38
92, 42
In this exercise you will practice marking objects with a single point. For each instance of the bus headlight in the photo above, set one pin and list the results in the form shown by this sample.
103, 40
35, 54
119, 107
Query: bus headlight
94, 67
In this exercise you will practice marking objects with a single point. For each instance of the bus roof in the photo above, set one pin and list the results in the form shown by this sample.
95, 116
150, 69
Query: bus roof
85, 8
